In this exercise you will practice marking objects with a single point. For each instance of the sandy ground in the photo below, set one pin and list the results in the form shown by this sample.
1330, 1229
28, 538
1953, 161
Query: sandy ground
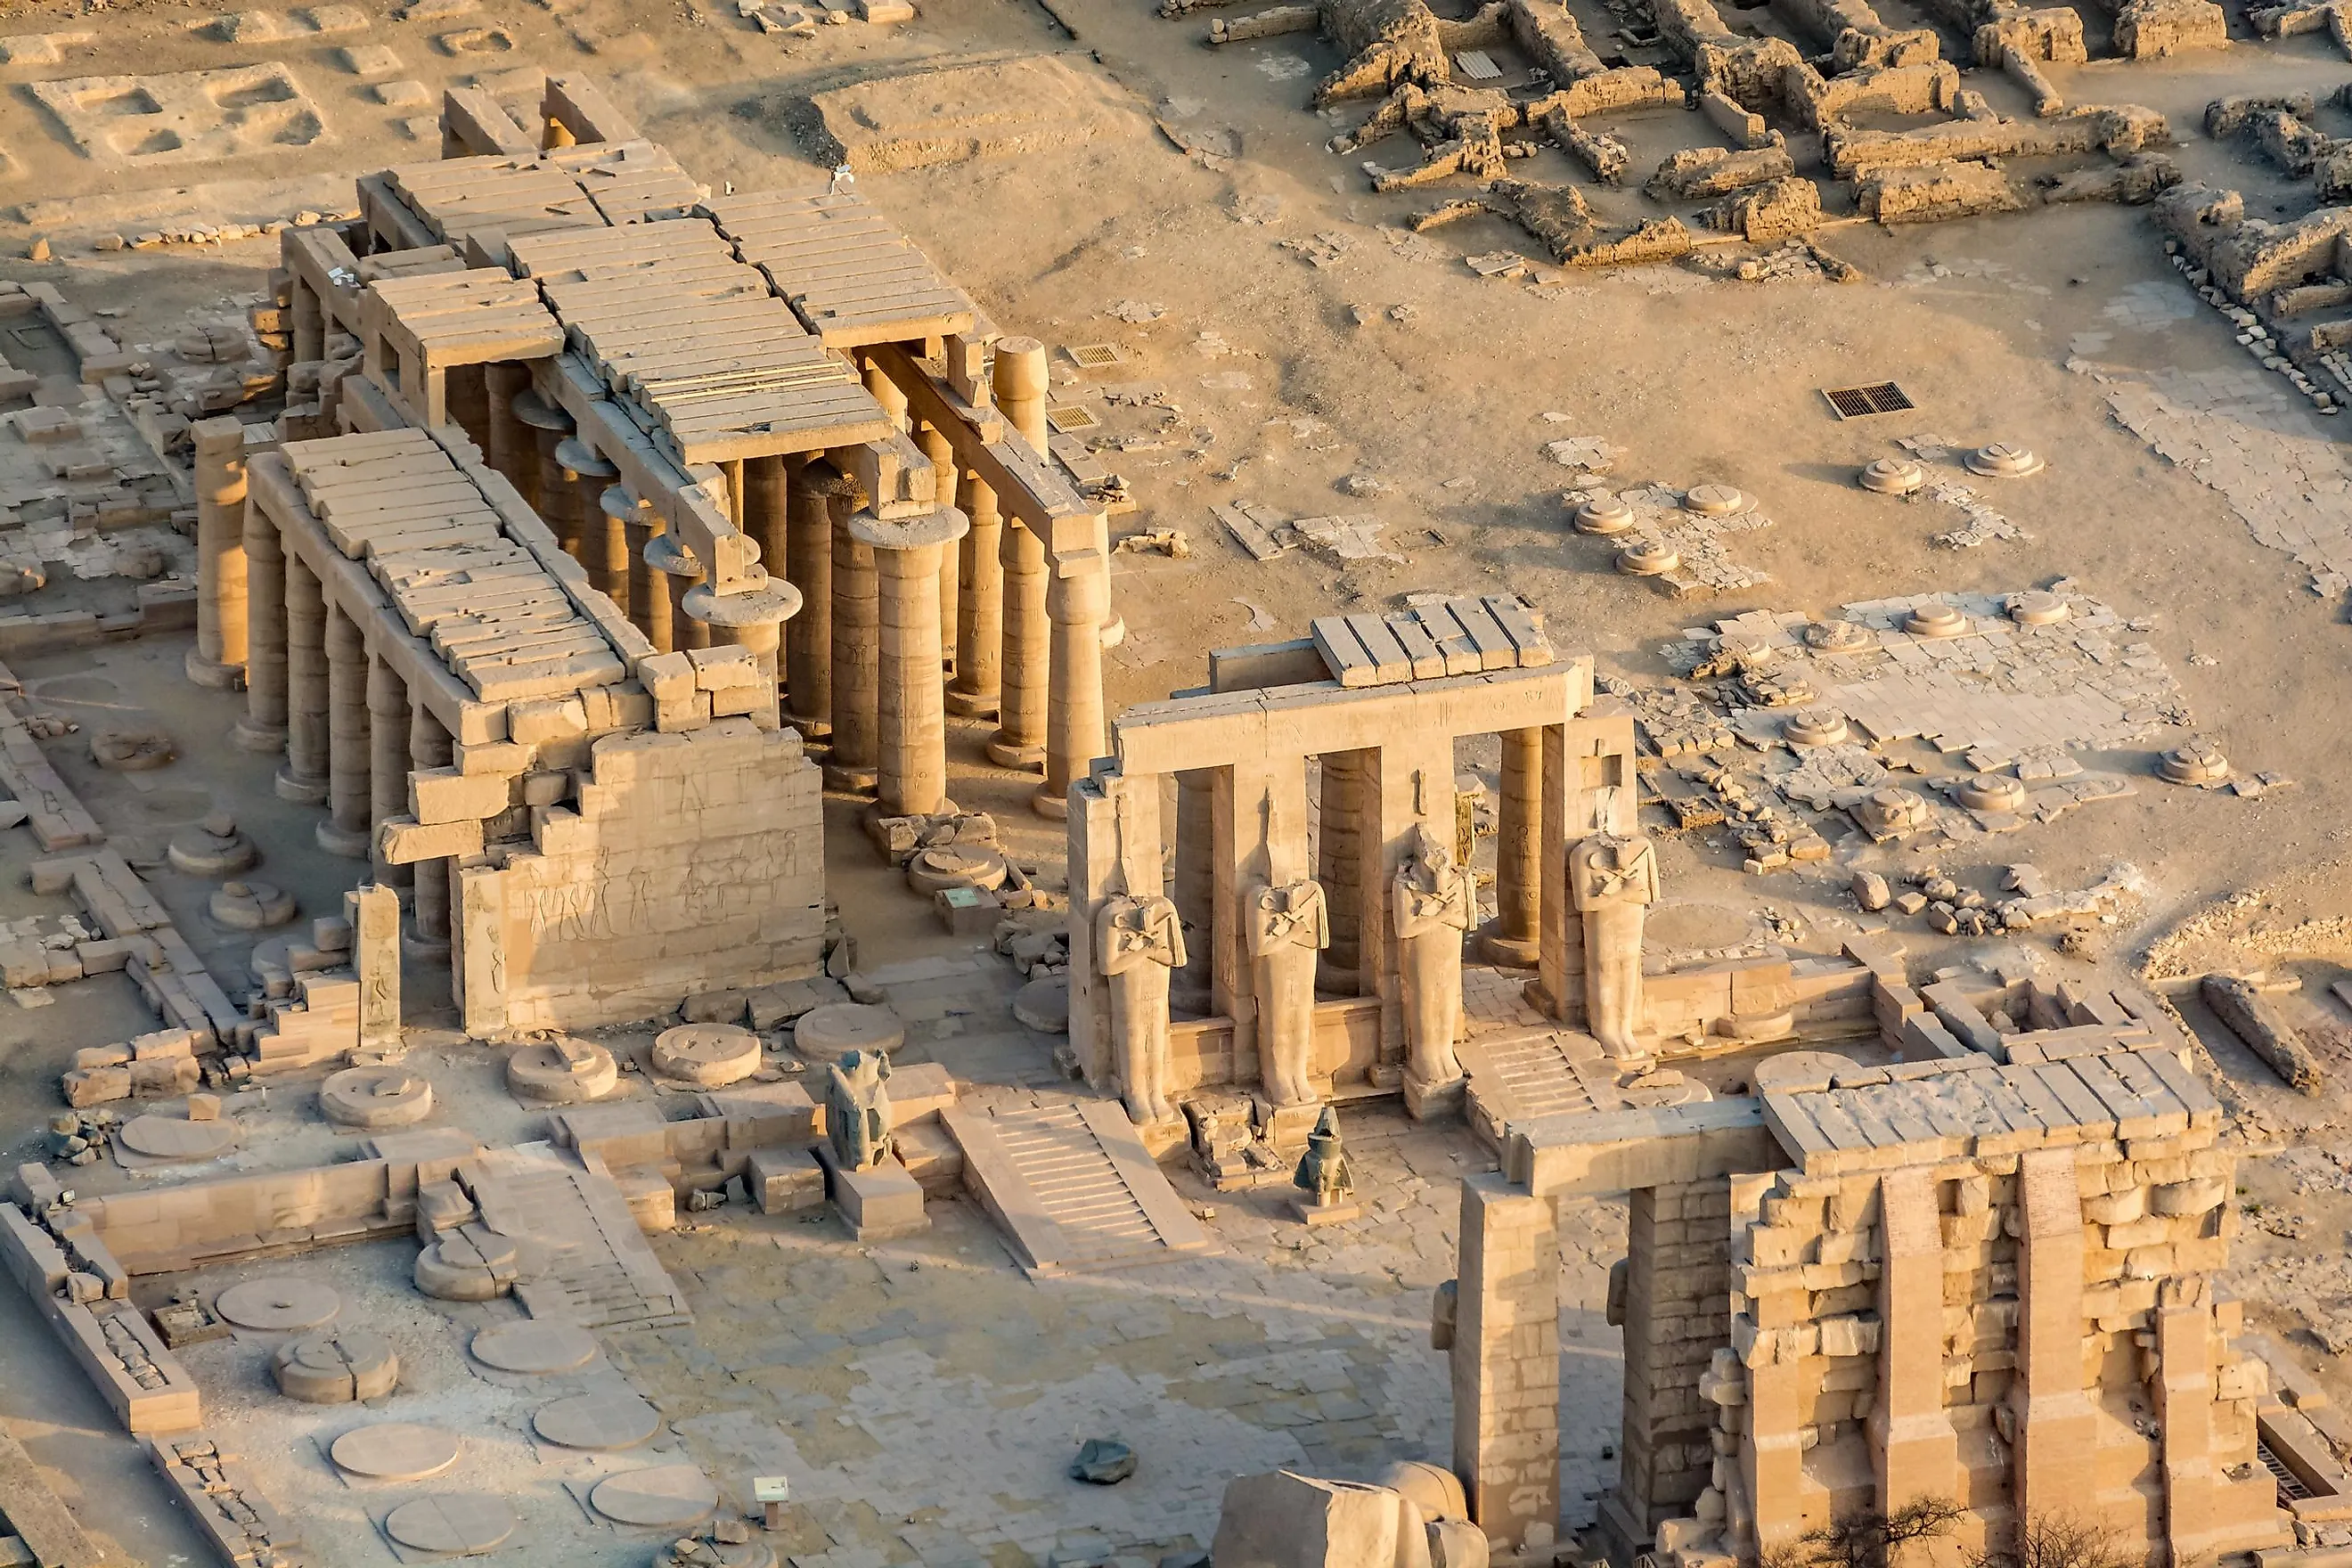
858, 1370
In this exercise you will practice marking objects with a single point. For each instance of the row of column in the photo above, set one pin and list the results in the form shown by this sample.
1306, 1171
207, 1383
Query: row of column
886, 608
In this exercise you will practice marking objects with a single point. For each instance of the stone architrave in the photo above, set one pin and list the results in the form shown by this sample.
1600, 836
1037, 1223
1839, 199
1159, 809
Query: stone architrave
1613, 880
858, 1109
1140, 941
1289, 923
1433, 904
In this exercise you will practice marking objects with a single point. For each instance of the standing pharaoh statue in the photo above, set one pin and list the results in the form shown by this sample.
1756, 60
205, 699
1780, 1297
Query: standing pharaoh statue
1140, 941
858, 1109
1432, 902
1290, 923
1613, 880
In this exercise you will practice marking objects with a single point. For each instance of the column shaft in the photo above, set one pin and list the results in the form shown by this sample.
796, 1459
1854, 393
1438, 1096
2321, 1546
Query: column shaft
309, 324
944, 473
808, 566
263, 728
388, 722
979, 606
218, 658
587, 475
350, 798
1078, 597
608, 549
542, 428
649, 601
511, 450
856, 664
429, 747
304, 776
910, 712
1513, 938
1019, 383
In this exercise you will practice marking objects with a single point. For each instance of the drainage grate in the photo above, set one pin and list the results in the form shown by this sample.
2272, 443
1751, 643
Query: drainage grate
2290, 1486
1064, 419
1094, 356
1861, 402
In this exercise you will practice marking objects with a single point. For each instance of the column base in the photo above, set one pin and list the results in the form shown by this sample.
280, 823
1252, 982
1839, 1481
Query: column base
416, 944
1114, 629
1046, 802
850, 780
814, 731
300, 790
1508, 951
1011, 754
973, 704
336, 839
212, 674
264, 739
1434, 1101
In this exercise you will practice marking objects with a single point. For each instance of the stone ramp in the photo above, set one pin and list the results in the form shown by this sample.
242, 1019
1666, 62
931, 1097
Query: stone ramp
1519, 1076
590, 1264
1073, 1187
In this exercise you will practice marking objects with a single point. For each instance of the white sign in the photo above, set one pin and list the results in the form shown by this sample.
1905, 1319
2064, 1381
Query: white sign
771, 1489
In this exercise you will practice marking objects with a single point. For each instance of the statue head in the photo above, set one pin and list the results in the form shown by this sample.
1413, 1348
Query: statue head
1428, 851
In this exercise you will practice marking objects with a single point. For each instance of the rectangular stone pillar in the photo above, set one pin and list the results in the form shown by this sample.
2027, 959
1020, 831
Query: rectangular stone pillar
2053, 1468
1512, 937
477, 957
1506, 1361
373, 910
2184, 1393
1588, 787
1916, 1451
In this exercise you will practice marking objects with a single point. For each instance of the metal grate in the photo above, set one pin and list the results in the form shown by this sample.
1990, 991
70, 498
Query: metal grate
1094, 356
2290, 1486
1067, 418
1477, 65
1861, 402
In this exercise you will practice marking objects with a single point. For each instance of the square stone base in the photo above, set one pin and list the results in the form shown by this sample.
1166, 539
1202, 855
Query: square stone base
1313, 1214
876, 1204
785, 1181
1164, 1137
1437, 1101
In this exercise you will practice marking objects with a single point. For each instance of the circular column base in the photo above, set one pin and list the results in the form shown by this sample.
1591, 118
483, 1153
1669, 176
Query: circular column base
813, 731
1007, 753
212, 674
1509, 952
263, 740
300, 790
416, 944
973, 705
336, 839
850, 780
1114, 629
1051, 803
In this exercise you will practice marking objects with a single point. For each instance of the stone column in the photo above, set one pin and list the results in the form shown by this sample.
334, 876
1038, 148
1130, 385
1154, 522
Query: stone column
979, 606
263, 728
648, 595
303, 779
1513, 939
309, 324
387, 701
767, 511
1506, 1361
546, 425
2051, 1462
350, 796
944, 474
559, 494
609, 556
465, 396
1339, 866
1079, 597
217, 660
513, 450
856, 655
751, 618
675, 570
586, 476
808, 566
1917, 1452
1019, 382
429, 747
910, 711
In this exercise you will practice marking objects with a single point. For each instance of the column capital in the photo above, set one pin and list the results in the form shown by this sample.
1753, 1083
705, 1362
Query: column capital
943, 525
580, 461
772, 601
669, 552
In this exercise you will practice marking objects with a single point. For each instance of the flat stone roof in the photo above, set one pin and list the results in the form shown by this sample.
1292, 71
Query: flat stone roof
853, 278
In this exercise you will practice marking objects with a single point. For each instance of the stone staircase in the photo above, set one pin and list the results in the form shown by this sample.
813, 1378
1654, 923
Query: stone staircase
1518, 1075
1073, 1187
589, 1263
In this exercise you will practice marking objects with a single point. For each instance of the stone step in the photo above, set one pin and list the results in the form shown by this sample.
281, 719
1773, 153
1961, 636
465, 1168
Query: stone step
1073, 1187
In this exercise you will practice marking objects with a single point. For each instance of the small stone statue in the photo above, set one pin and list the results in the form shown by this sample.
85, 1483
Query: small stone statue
1323, 1174
858, 1109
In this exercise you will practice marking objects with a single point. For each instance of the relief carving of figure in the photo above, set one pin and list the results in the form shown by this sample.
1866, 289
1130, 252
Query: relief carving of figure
858, 1109
1289, 923
1613, 880
1432, 902
1139, 939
